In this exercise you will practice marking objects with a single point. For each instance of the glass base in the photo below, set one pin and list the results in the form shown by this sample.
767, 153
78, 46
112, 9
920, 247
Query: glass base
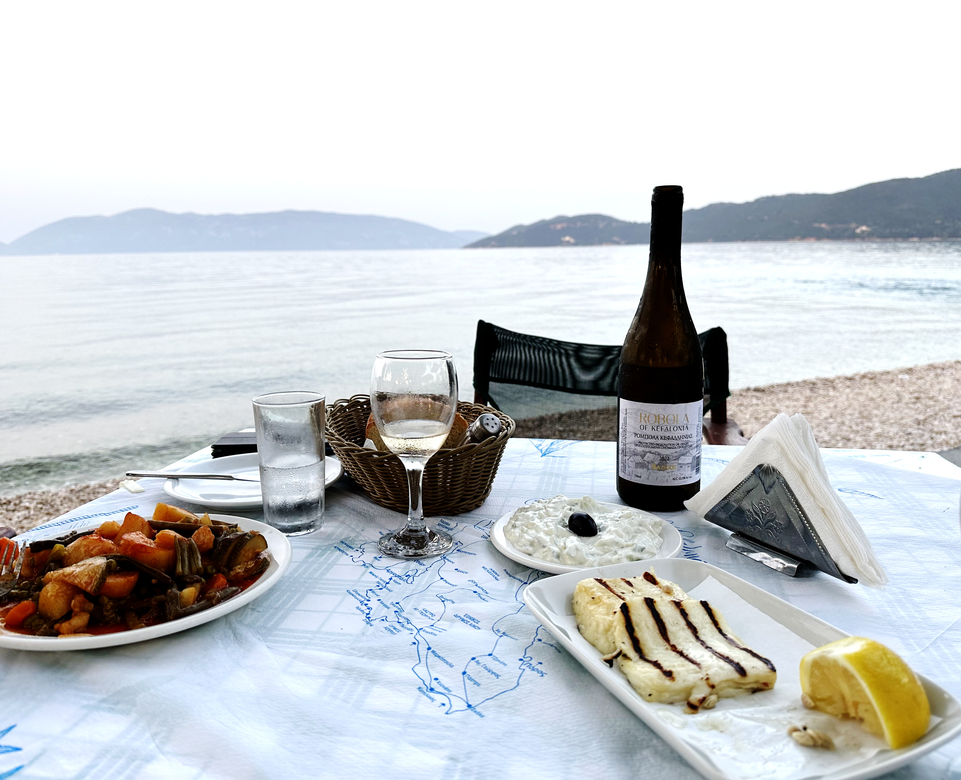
415, 544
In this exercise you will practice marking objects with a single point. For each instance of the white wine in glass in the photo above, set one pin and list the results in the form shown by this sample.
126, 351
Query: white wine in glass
413, 398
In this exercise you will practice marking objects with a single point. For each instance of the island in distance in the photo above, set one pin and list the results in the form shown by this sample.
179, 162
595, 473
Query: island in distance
151, 230
899, 209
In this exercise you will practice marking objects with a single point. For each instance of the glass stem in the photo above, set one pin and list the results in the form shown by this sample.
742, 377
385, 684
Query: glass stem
415, 483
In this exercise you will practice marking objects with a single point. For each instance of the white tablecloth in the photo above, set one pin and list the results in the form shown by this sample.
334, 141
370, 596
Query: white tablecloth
359, 666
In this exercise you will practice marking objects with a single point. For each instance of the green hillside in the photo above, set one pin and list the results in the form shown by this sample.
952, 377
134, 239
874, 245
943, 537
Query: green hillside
899, 209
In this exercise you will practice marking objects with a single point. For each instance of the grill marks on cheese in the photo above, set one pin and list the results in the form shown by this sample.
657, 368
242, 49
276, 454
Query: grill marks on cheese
670, 647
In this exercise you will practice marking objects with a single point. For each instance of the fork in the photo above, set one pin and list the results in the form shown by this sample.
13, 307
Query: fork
11, 559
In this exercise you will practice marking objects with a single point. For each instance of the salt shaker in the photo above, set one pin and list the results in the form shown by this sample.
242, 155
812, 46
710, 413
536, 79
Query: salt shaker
486, 426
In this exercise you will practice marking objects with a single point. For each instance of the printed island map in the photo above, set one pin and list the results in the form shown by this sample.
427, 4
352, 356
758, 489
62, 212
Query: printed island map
426, 668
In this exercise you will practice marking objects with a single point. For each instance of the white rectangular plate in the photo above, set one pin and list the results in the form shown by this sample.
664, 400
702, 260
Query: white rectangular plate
549, 600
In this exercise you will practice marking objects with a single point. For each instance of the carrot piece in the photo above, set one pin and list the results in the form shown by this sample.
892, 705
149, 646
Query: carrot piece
119, 584
217, 582
8, 547
19, 613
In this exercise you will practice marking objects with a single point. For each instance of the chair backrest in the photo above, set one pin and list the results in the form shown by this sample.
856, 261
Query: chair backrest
527, 376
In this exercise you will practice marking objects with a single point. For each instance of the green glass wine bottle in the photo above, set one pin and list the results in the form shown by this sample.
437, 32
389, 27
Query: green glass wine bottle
661, 380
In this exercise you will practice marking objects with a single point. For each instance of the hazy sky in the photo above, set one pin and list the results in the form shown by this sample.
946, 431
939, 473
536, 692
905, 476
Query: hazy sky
464, 115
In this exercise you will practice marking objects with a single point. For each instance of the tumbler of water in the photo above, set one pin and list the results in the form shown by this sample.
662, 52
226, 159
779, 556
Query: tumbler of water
290, 445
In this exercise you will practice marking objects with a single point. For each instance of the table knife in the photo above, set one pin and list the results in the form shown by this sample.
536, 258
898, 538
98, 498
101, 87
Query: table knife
188, 475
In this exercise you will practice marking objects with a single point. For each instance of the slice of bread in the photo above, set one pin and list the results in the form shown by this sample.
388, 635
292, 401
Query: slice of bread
457, 431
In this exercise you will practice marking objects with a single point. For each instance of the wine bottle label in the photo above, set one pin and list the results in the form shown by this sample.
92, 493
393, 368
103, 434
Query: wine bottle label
660, 444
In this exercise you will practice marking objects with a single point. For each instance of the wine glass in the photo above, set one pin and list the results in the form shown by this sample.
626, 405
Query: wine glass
413, 398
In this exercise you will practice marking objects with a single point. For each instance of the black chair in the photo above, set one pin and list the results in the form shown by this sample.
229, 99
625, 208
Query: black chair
528, 376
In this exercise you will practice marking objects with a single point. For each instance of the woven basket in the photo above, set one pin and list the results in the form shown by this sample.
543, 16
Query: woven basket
455, 481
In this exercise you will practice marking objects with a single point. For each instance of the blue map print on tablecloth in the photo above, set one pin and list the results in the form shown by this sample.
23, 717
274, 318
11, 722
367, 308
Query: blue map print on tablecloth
854, 492
9, 749
451, 593
549, 447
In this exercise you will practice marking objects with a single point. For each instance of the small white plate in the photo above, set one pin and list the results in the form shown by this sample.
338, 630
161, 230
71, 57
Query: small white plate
222, 494
280, 554
671, 544
549, 600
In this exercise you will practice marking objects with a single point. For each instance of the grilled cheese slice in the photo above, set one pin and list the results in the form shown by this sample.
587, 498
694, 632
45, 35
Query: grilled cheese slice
597, 604
670, 647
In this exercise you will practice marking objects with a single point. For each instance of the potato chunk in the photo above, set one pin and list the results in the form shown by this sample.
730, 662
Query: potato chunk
88, 547
55, 598
144, 550
204, 539
173, 514
134, 524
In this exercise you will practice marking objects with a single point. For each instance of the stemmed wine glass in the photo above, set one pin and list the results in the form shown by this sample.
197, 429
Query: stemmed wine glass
413, 398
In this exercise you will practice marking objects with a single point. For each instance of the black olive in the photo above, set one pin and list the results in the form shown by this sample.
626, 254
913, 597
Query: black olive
582, 524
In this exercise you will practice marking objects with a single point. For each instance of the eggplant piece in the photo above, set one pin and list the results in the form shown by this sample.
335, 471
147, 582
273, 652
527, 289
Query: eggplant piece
257, 565
253, 545
219, 528
172, 603
48, 544
223, 547
236, 550
88, 575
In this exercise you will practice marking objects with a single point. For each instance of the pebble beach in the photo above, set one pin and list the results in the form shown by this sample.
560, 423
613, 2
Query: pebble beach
904, 409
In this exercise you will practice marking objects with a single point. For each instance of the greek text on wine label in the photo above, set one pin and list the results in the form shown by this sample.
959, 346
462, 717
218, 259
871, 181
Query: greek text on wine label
659, 444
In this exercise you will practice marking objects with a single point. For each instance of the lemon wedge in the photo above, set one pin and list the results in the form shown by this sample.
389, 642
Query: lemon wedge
862, 679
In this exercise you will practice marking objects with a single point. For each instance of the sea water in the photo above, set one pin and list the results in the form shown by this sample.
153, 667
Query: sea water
115, 362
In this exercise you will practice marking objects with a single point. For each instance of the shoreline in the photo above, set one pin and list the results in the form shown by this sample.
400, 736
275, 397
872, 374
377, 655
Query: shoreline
903, 409
900, 409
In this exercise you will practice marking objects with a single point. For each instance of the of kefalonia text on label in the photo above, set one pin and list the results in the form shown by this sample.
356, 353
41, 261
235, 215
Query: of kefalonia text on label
659, 444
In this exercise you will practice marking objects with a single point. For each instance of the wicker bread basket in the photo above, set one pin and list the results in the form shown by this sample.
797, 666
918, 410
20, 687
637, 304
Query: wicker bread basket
455, 480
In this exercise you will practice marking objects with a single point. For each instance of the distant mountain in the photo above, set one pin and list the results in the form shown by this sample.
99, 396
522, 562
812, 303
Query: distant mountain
587, 229
926, 208
150, 230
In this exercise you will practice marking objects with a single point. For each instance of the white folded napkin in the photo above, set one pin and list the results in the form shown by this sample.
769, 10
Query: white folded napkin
788, 444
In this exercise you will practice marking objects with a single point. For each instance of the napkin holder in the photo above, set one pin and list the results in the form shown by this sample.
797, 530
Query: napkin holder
242, 443
239, 443
770, 526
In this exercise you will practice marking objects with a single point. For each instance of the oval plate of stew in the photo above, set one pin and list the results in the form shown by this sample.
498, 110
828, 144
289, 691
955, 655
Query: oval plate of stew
280, 554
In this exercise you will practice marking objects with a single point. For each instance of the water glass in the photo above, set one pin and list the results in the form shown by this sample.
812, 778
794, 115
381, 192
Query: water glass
290, 444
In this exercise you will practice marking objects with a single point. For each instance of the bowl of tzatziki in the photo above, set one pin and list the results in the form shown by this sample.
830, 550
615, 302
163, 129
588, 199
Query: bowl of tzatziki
538, 535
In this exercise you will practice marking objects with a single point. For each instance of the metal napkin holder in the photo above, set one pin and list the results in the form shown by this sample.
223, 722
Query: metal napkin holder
770, 526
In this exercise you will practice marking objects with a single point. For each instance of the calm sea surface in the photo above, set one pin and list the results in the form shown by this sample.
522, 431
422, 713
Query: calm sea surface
122, 361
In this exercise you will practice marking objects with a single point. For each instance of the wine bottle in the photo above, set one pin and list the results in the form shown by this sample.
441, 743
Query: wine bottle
660, 398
